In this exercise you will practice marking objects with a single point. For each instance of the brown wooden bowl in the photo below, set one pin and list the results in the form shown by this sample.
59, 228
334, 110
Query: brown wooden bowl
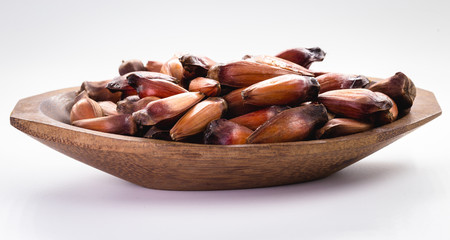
185, 166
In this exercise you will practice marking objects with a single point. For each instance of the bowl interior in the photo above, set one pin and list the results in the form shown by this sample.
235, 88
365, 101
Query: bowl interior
58, 106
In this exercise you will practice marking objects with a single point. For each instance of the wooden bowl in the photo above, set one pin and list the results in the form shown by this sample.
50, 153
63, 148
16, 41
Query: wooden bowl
162, 164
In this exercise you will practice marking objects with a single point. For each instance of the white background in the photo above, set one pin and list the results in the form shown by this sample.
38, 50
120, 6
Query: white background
400, 192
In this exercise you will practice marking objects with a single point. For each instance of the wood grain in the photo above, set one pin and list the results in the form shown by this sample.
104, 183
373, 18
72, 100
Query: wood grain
161, 164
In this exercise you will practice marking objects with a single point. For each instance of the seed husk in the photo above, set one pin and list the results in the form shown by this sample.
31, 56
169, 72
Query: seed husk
334, 81
337, 127
166, 108
290, 125
225, 132
207, 86
236, 106
148, 85
303, 56
281, 90
85, 108
133, 103
398, 87
355, 103
118, 124
195, 66
386, 116
244, 73
98, 91
174, 68
196, 119
108, 108
131, 66
255, 119
280, 63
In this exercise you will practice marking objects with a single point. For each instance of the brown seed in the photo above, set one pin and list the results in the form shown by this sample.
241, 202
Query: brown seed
121, 83
293, 124
236, 106
280, 63
85, 108
334, 81
147, 86
398, 87
154, 66
355, 103
195, 66
255, 119
133, 103
98, 91
225, 132
281, 90
303, 56
341, 127
207, 86
166, 108
131, 66
386, 116
244, 73
108, 108
196, 119
126, 105
119, 124
173, 68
